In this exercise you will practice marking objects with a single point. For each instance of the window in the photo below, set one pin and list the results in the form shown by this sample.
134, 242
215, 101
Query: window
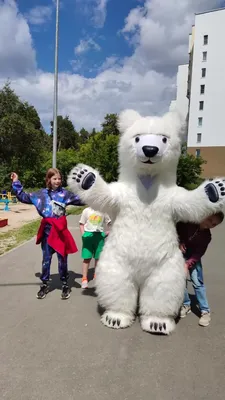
200, 119
205, 40
199, 137
204, 56
203, 72
201, 105
202, 89
197, 153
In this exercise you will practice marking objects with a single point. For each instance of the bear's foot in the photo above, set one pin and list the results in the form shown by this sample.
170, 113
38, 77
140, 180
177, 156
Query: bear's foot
163, 326
116, 320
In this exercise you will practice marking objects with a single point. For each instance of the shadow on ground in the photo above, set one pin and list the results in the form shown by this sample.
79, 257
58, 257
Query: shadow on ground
56, 284
194, 305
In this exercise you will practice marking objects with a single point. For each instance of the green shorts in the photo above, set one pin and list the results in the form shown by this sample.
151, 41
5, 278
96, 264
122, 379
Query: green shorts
93, 243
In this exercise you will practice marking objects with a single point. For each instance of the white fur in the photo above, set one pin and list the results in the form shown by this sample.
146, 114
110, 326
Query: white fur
116, 320
164, 326
141, 256
127, 119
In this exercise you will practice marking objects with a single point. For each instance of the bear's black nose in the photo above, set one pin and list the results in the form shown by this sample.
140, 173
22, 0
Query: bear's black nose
150, 151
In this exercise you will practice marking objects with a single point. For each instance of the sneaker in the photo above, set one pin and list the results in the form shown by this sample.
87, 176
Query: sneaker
84, 283
44, 289
65, 292
185, 310
205, 319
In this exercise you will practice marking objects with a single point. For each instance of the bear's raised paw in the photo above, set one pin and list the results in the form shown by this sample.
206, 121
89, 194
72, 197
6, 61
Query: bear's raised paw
215, 190
81, 177
156, 325
116, 320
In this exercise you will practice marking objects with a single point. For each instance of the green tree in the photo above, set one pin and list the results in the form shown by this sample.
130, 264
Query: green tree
109, 126
29, 114
22, 138
9, 101
89, 152
93, 132
102, 154
189, 169
67, 137
66, 160
4, 178
108, 160
83, 136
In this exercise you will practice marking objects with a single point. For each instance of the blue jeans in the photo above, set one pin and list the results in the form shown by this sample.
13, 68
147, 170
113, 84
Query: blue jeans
196, 276
48, 252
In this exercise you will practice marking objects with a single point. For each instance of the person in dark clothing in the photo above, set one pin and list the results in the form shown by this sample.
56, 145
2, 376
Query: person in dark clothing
51, 203
194, 240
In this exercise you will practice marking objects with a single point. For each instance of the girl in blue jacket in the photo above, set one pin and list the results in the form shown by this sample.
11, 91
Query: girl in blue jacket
50, 202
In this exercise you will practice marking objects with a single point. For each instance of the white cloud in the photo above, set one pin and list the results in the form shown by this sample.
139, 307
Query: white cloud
96, 10
17, 56
100, 13
86, 45
87, 101
39, 15
76, 64
159, 32
109, 63
145, 81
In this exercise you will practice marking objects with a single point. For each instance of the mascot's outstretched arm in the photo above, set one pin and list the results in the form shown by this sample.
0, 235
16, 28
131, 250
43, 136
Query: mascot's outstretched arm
93, 190
195, 205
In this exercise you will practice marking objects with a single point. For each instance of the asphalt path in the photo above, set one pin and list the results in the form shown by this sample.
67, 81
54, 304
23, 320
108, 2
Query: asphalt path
52, 349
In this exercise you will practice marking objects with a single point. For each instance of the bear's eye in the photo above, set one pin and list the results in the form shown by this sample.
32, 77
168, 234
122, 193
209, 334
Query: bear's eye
164, 140
137, 139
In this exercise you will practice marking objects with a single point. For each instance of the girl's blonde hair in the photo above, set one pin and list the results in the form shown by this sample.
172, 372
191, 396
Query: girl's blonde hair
50, 173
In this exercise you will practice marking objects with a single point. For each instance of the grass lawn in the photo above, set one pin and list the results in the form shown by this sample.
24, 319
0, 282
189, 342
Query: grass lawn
15, 237
11, 239
71, 210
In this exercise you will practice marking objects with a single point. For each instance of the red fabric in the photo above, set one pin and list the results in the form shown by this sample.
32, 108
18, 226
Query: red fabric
60, 238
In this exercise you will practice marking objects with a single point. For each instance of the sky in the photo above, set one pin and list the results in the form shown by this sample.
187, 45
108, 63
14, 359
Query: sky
113, 54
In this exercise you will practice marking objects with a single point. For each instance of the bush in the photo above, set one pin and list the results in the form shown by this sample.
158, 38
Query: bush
189, 170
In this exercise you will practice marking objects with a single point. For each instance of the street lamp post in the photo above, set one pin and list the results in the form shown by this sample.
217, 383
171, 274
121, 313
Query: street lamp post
55, 112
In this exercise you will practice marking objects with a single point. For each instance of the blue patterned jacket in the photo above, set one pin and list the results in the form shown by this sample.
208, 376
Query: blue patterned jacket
49, 203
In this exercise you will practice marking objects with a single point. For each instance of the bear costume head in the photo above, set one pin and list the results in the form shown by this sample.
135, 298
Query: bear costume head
149, 145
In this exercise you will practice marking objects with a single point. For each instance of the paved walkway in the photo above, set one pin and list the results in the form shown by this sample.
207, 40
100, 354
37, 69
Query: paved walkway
53, 349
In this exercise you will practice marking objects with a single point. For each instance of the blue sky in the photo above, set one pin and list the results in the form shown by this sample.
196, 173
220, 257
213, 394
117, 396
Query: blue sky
113, 54
76, 25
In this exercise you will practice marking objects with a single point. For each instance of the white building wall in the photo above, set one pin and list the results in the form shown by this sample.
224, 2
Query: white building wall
182, 100
213, 115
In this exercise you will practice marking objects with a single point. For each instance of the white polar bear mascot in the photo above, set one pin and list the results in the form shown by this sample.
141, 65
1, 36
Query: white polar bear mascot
141, 263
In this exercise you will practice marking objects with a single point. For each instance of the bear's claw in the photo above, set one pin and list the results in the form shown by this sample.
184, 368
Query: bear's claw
163, 326
116, 320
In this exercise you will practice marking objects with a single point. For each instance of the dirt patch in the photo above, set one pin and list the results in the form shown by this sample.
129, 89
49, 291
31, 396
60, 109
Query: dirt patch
18, 215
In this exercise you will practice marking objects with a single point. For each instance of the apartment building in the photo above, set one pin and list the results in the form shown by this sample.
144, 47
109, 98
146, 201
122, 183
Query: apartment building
181, 102
206, 91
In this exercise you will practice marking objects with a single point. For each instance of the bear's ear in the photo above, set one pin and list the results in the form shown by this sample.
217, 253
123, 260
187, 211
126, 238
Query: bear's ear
126, 119
176, 123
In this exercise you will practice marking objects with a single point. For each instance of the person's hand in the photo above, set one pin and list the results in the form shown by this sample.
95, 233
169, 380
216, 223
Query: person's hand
183, 248
14, 176
107, 233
